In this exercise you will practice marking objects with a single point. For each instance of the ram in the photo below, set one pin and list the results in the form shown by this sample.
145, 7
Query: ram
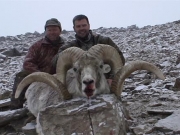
80, 74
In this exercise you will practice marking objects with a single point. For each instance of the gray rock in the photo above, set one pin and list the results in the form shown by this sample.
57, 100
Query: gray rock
102, 115
29, 129
177, 84
2, 38
162, 112
171, 123
159, 44
142, 129
7, 116
5, 102
2, 56
12, 52
4, 94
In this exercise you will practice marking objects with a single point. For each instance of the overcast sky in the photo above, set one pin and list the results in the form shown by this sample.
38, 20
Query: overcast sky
21, 16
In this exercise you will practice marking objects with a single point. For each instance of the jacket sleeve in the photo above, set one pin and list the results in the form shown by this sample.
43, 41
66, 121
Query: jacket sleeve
110, 42
30, 61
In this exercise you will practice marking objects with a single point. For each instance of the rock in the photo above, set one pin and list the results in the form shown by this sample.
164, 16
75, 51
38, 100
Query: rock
12, 52
155, 104
2, 38
178, 59
102, 115
171, 97
142, 129
151, 121
162, 112
4, 94
2, 56
171, 123
7, 116
5, 102
141, 87
177, 84
29, 129
159, 44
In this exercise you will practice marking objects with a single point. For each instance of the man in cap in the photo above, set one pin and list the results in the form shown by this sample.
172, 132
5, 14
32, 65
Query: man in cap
39, 57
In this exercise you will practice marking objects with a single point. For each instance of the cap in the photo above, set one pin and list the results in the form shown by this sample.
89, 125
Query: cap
53, 22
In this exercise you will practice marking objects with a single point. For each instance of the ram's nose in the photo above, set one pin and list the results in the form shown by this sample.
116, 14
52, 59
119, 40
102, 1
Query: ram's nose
88, 81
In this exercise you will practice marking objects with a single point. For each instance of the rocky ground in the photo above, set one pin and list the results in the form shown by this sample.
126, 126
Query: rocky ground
153, 104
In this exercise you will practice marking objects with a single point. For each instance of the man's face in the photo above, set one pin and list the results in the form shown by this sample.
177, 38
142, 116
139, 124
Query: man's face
81, 27
53, 32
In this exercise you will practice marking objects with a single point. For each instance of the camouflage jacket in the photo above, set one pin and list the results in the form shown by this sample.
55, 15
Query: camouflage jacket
95, 39
39, 56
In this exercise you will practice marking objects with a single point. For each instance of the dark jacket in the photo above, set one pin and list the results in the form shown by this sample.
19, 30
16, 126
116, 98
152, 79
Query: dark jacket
39, 56
95, 39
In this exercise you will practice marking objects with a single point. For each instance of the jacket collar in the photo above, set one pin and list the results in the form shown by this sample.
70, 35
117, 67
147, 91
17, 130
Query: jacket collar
87, 39
45, 42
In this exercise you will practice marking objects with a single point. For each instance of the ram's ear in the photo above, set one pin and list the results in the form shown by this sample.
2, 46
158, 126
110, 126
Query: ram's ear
106, 68
70, 73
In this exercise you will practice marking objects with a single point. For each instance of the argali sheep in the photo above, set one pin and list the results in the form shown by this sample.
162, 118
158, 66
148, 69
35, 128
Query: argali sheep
80, 73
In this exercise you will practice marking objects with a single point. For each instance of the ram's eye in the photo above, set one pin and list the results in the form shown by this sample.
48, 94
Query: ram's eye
101, 66
75, 69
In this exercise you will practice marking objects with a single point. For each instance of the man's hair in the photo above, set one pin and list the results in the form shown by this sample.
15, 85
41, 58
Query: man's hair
80, 17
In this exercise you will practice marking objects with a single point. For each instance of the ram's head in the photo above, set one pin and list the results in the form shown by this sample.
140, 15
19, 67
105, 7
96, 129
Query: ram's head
82, 73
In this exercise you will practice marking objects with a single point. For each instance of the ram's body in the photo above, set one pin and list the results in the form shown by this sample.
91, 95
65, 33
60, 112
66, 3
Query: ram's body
40, 95
84, 79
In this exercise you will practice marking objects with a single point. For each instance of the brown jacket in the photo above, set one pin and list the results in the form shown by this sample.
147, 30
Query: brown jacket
39, 56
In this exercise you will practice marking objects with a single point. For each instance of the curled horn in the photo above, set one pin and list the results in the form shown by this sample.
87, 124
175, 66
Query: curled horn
45, 78
122, 74
65, 61
109, 55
